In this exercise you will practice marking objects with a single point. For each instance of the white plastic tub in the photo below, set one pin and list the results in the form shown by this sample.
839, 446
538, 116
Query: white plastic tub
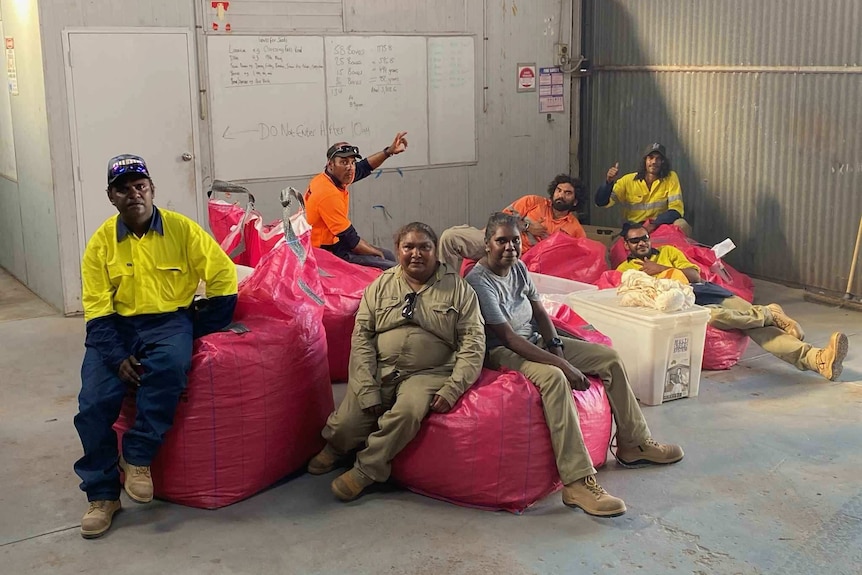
548, 285
662, 352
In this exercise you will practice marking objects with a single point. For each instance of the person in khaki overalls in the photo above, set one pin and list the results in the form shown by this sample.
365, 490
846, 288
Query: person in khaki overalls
418, 344
522, 337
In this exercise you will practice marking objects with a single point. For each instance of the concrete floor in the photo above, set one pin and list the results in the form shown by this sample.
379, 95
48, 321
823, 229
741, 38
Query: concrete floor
770, 484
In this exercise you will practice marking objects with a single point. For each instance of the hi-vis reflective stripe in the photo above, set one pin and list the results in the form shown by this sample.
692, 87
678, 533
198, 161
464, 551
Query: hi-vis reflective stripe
646, 207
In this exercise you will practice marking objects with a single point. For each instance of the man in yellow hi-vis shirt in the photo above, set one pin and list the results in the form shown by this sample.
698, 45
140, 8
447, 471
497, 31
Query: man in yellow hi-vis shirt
651, 196
767, 325
140, 271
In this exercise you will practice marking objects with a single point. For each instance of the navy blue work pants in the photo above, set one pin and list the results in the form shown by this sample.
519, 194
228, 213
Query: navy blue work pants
166, 363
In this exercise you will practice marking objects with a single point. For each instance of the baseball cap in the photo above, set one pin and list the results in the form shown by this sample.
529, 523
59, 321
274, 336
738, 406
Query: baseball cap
126, 164
343, 150
655, 148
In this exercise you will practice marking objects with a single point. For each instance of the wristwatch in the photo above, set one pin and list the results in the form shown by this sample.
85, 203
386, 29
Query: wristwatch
556, 342
386, 152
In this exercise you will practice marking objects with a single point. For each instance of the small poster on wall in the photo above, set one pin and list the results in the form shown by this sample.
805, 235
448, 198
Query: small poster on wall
11, 67
551, 90
526, 77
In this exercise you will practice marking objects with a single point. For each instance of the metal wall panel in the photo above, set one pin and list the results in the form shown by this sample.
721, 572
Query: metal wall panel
728, 32
407, 17
770, 158
272, 15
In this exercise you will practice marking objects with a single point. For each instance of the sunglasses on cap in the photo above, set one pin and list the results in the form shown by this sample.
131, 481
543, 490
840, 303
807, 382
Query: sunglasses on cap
637, 240
410, 307
124, 165
344, 151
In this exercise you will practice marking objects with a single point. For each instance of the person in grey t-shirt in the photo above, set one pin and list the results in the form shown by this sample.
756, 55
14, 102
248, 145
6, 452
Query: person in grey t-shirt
506, 299
521, 336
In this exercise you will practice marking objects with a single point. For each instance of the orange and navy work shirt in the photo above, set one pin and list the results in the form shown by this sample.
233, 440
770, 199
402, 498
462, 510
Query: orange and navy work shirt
540, 209
327, 204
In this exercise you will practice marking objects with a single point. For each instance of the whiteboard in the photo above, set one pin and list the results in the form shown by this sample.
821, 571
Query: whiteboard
377, 86
451, 99
8, 167
267, 107
278, 102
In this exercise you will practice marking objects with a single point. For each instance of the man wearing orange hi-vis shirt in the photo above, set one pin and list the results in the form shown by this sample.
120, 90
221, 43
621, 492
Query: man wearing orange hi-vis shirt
540, 216
327, 201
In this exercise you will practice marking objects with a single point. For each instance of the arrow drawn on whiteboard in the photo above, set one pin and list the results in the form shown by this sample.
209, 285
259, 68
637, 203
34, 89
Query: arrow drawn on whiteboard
230, 136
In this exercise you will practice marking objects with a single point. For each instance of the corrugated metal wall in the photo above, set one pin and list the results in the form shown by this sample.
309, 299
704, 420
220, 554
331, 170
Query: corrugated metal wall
759, 106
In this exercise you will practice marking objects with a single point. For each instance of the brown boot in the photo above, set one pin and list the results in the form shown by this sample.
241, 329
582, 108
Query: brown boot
348, 486
827, 361
97, 519
323, 462
649, 452
589, 496
138, 482
785, 323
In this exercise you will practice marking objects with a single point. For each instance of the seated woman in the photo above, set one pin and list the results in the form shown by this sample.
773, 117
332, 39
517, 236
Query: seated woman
521, 336
417, 345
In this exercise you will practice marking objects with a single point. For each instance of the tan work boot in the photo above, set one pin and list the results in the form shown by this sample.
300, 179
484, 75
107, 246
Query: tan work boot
323, 462
138, 482
348, 486
827, 361
589, 496
785, 323
97, 519
649, 452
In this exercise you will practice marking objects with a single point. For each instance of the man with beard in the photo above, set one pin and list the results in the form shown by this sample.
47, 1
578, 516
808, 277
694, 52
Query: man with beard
651, 196
328, 198
539, 218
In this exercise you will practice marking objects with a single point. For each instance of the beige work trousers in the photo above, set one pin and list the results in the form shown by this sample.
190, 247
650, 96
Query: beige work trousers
459, 243
561, 414
756, 321
407, 402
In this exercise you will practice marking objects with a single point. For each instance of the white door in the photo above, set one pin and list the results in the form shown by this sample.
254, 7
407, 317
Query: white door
132, 92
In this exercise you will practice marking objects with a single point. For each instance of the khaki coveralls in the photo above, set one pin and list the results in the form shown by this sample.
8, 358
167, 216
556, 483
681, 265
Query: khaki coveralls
402, 363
